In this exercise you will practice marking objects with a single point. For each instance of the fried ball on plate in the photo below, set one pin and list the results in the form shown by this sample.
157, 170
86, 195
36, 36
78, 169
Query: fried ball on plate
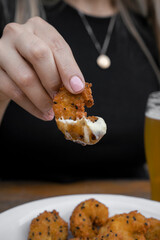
72, 119
126, 226
153, 233
48, 226
110, 236
87, 217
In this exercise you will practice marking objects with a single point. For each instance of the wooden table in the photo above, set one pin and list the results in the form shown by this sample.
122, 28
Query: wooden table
16, 193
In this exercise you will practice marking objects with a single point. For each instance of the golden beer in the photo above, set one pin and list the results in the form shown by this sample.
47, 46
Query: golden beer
152, 143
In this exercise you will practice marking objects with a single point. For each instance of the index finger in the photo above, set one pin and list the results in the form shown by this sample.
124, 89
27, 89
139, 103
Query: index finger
68, 69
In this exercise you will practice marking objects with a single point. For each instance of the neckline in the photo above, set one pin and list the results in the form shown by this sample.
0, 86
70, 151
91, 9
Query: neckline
89, 15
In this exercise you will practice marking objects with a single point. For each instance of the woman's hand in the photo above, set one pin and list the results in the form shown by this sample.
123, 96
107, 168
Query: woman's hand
34, 61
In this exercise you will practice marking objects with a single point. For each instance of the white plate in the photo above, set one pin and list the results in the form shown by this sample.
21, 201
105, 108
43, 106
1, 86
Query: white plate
14, 223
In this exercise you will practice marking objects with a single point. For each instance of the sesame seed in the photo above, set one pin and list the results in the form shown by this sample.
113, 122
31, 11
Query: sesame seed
82, 207
48, 219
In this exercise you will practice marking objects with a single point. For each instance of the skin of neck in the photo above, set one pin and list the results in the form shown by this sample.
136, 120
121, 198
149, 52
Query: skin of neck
97, 8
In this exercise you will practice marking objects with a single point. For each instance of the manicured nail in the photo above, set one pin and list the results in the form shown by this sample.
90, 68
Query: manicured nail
76, 84
49, 115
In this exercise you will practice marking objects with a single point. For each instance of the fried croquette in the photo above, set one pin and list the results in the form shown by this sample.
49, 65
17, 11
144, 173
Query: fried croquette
48, 226
153, 233
72, 106
71, 117
127, 226
87, 218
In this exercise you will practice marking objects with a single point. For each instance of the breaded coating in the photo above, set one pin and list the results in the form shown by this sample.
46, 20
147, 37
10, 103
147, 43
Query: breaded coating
72, 106
153, 233
87, 218
48, 226
127, 226
110, 236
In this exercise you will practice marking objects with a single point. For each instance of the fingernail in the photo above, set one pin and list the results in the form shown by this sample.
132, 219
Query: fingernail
76, 84
49, 115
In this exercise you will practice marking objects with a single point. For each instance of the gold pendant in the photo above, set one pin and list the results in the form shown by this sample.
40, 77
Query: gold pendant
103, 61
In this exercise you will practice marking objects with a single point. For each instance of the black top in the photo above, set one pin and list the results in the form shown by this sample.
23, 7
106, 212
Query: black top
120, 95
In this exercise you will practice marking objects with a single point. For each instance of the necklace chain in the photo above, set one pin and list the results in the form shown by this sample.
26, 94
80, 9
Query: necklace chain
103, 49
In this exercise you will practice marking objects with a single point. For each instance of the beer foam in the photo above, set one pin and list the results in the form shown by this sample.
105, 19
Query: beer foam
153, 106
153, 114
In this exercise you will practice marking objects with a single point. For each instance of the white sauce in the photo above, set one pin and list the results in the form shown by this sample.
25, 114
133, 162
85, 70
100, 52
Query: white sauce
98, 128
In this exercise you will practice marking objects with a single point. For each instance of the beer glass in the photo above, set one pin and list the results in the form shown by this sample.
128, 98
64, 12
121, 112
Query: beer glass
152, 142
